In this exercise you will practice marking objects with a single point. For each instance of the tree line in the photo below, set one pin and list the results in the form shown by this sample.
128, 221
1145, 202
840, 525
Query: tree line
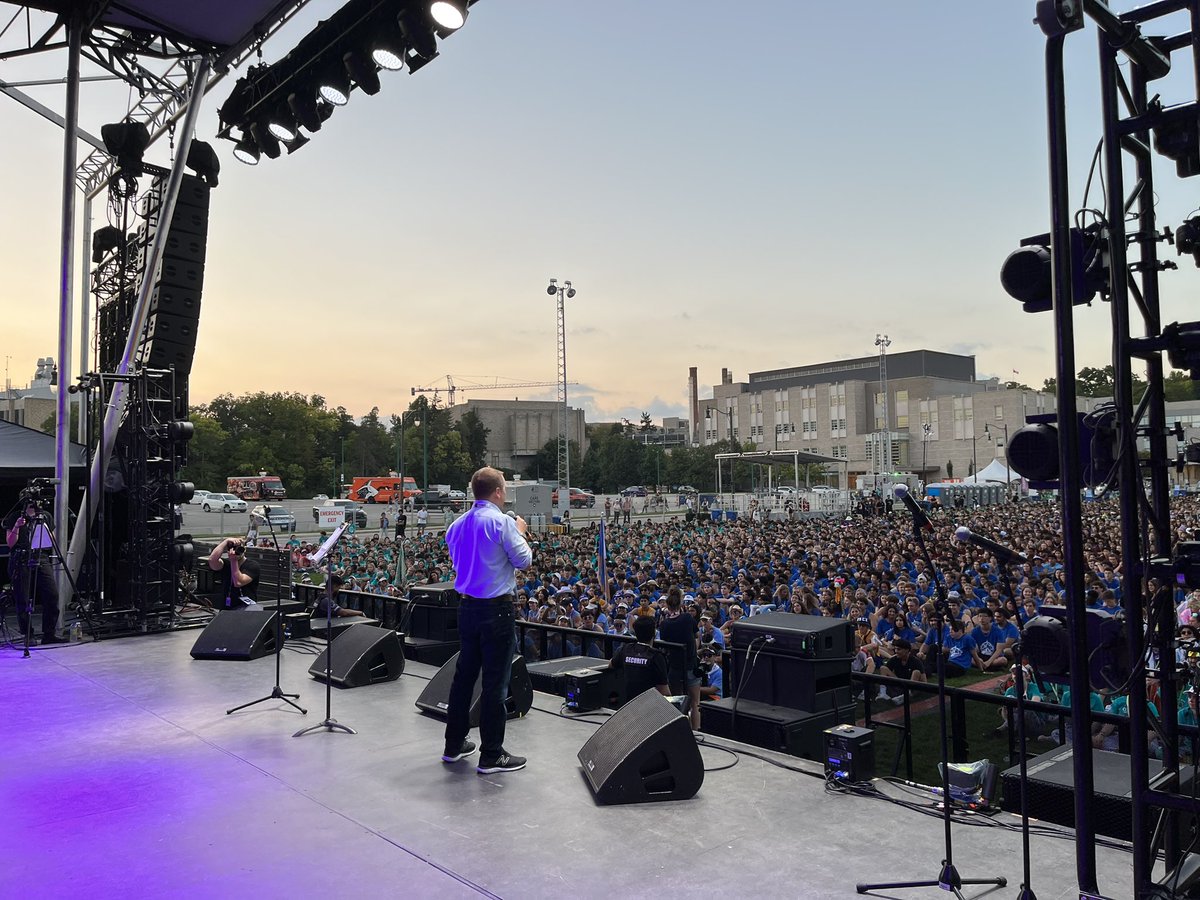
314, 448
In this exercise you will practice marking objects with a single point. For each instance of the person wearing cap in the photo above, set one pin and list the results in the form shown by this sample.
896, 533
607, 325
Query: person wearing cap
708, 633
677, 627
714, 677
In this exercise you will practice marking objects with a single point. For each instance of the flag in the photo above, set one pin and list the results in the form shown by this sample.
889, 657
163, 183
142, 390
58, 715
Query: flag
602, 562
1015, 372
401, 567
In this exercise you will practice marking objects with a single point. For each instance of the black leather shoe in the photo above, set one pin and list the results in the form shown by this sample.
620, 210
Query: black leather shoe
54, 639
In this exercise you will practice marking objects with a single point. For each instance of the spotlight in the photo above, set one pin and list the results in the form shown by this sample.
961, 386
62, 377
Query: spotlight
1187, 238
553, 289
570, 290
1027, 273
181, 430
334, 86
306, 109
127, 141
1183, 346
246, 151
1177, 137
1046, 641
449, 14
362, 70
203, 160
267, 142
1033, 449
417, 34
181, 491
282, 124
106, 240
182, 551
387, 47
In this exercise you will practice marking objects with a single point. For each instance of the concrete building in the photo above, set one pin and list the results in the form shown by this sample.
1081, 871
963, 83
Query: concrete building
941, 421
31, 406
519, 429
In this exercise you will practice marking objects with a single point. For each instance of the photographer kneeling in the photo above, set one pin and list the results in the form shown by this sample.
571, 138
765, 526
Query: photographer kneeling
239, 579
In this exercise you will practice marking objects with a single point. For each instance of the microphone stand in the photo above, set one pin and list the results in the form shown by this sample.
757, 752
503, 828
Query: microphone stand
277, 692
330, 723
948, 879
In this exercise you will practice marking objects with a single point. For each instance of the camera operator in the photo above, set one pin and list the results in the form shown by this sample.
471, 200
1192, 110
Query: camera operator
19, 527
239, 579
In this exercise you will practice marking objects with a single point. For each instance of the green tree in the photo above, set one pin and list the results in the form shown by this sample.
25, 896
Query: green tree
474, 438
51, 420
1179, 386
1017, 386
1050, 385
206, 465
645, 424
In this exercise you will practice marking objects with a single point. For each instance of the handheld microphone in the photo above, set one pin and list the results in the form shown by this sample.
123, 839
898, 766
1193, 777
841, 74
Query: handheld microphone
920, 520
1005, 554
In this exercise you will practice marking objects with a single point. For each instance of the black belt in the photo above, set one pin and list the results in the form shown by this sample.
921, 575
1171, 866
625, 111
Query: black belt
509, 597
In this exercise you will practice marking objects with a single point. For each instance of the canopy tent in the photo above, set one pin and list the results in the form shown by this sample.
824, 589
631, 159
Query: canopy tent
995, 472
28, 453
776, 458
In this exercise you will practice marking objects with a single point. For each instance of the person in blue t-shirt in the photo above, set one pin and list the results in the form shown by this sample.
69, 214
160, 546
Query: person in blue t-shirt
957, 647
710, 663
989, 643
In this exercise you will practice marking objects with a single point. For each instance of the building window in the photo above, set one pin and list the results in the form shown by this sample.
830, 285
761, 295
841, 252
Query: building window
902, 410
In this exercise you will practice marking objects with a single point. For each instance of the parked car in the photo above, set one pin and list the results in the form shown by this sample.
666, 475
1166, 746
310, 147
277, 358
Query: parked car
198, 498
224, 502
634, 491
281, 518
457, 495
353, 512
686, 489
785, 491
580, 499
320, 497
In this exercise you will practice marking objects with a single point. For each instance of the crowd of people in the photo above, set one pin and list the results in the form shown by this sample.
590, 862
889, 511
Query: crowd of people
865, 568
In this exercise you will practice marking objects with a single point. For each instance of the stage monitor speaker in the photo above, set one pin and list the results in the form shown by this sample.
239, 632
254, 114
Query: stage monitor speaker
807, 637
243, 634
783, 679
435, 699
645, 751
362, 654
441, 594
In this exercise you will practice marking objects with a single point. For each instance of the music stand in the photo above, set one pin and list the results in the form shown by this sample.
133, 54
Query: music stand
330, 723
277, 693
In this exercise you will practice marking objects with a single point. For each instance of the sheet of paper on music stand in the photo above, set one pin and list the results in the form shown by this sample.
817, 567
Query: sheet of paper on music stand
324, 549
40, 539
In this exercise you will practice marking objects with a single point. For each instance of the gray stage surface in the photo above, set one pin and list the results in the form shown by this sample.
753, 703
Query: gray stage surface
123, 774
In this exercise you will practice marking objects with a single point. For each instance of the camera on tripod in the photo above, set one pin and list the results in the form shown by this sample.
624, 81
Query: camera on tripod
39, 492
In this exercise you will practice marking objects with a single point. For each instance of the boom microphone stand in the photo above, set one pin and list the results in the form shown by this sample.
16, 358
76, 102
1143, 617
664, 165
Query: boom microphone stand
277, 692
948, 879
330, 723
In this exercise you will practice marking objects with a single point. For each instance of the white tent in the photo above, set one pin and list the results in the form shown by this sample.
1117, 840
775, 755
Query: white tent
995, 472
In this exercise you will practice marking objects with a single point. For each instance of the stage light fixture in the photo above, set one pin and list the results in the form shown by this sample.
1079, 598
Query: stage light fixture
246, 151
106, 240
294, 145
127, 142
1177, 137
181, 491
1183, 347
282, 124
181, 430
334, 86
1187, 238
1033, 449
182, 551
306, 109
387, 45
418, 35
449, 14
360, 68
203, 160
1027, 273
267, 142
1046, 642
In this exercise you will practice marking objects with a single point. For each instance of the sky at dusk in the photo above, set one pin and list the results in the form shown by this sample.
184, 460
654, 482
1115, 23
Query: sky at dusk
746, 185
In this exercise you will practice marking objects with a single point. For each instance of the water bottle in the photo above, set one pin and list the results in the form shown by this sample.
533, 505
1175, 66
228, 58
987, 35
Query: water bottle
76, 632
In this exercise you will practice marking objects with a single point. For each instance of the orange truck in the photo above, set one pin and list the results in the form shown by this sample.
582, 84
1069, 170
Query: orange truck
383, 489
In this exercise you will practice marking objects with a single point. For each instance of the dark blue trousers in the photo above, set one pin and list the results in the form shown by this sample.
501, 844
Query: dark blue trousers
488, 634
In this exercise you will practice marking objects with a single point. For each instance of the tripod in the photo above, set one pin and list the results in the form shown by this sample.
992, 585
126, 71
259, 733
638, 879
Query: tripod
277, 692
948, 878
330, 723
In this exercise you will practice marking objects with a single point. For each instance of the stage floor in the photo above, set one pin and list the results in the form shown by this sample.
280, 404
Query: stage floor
123, 773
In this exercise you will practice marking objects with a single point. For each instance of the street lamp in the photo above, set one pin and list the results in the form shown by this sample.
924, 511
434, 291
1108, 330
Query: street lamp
563, 292
987, 432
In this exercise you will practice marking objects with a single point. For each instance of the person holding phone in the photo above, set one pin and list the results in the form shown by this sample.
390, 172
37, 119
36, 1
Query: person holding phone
239, 576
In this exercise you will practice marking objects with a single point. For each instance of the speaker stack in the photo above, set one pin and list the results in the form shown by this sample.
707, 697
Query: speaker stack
435, 699
431, 624
794, 677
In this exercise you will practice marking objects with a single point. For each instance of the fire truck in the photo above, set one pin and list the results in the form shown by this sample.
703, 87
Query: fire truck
256, 487
383, 488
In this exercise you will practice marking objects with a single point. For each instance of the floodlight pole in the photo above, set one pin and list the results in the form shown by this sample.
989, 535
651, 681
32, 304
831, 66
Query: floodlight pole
563, 291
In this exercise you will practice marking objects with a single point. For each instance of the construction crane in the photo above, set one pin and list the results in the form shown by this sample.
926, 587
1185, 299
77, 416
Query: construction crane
453, 387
